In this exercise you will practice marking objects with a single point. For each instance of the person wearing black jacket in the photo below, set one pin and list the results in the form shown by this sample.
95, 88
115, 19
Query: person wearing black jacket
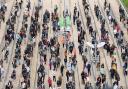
62, 69
9, 85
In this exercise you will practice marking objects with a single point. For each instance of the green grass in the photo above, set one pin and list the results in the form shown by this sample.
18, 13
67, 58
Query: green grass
125, 3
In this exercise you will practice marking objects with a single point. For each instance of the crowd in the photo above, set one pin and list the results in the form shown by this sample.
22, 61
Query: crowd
119, 36
9, 36
110, 48
3, 9
57, 54
53, 46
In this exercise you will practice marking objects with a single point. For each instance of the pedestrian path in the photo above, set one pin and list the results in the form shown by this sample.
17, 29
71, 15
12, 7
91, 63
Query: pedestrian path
62, 45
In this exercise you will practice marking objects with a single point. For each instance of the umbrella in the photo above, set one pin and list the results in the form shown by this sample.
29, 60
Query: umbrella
68, 21
89, 44
68, 29
101, 44
61, 23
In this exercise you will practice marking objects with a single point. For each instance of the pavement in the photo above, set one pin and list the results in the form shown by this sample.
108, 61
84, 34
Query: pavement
65, 4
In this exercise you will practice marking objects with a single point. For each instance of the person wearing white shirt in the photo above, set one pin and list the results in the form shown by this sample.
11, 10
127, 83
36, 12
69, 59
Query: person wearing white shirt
1, 72
70, 78
115, 86
28, 69
54, 75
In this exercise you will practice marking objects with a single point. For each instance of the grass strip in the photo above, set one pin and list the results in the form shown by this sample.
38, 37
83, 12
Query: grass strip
125, 2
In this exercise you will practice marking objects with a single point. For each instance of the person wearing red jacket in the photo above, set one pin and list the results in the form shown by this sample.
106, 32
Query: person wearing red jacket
50, 82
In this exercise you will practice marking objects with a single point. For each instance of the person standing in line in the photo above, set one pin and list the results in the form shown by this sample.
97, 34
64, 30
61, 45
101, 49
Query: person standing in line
50, 82
62, 69
54, 75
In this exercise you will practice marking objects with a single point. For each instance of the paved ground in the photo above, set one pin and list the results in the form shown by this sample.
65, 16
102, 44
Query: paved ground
65, 4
